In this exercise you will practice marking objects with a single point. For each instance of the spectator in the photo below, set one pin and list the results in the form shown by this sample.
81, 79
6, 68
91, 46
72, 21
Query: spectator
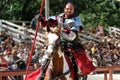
93, 49
115, 56
38, 50
33, 22
10, 40
8, 49
100, 30
8, 58
16, 62
21, 49
2, 47
3, 63
0, 38
37, 56
107, 59
3, 35
26, 52
35, 60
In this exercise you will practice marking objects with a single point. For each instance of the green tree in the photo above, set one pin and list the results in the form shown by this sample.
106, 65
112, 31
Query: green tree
91, 11
104, 11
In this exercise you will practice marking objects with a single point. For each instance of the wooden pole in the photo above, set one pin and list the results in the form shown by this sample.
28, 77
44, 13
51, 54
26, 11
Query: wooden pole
46, 8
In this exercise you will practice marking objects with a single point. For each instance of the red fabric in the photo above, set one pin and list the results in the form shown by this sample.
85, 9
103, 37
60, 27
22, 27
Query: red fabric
4, 65
44, 23
83, 62
34, 76
49, 23
52, 23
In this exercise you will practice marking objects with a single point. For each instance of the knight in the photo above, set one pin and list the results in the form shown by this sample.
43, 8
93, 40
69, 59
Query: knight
70, 25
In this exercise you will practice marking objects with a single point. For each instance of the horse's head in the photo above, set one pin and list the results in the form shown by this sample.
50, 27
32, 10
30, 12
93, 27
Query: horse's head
53, 39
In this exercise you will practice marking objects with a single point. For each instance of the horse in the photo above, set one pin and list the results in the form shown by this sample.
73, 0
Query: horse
60, 66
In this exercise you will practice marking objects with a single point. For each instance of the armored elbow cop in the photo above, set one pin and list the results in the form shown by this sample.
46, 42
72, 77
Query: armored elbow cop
69, 37
67, 25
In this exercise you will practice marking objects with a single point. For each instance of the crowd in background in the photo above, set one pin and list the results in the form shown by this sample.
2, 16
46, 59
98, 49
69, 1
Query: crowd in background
107, 51
14, 56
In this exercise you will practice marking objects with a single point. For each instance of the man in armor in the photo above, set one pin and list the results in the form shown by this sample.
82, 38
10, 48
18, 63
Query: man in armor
70, 24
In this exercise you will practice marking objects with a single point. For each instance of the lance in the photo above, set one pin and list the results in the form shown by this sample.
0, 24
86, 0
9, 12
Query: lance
32, 48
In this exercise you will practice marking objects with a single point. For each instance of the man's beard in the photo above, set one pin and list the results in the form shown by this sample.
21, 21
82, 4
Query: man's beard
68, 15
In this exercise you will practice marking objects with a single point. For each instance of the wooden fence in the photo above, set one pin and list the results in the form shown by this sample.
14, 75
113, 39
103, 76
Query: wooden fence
105, 70
108, 70
18, 74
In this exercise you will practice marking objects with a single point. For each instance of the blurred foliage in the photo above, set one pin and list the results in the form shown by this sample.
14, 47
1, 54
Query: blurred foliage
91, 11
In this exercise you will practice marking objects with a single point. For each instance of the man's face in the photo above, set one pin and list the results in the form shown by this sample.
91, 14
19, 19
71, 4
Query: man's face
69, 10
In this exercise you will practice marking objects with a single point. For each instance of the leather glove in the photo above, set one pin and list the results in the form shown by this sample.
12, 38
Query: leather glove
40, 18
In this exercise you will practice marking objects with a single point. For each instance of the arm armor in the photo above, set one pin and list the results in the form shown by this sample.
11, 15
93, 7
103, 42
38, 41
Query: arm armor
69, 37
